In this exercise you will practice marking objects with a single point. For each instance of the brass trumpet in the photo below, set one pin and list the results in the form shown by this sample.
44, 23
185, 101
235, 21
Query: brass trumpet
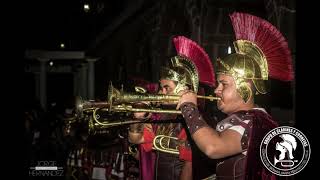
95, 120
118, 97
119, 101
92, 107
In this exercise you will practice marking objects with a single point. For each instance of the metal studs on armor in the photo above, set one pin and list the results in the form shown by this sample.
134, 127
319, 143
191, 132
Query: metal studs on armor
221, 127
232, 120
190, 116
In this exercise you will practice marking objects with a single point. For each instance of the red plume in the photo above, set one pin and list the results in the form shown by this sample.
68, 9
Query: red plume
188, 48
269, 40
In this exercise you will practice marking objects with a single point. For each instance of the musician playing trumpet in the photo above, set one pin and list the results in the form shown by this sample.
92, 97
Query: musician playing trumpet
261, 51
166, 136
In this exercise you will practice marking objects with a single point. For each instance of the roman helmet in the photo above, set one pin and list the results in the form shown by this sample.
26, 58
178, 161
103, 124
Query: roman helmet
261, 52
190, 66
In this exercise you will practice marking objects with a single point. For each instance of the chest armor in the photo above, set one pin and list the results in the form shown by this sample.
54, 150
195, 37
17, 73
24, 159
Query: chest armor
234, 167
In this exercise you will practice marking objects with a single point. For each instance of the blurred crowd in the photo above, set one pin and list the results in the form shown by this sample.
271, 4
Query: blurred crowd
82, 156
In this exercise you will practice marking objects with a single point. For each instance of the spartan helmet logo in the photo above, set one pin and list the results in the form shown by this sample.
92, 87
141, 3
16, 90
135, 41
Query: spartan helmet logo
286, 146
285, 151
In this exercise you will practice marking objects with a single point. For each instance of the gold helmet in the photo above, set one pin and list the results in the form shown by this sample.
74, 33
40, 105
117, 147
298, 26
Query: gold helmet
191, 66
261, 51
182, 71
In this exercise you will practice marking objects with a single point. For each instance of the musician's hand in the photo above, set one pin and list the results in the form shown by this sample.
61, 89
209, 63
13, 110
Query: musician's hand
141, 115
187, 96
136, 128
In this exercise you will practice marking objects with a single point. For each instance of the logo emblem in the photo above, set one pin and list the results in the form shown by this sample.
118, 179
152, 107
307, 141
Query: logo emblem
285, 151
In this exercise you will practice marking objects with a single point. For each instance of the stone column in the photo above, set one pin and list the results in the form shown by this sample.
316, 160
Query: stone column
83, 81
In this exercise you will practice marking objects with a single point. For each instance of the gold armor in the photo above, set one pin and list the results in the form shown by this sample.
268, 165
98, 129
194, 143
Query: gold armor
248, 63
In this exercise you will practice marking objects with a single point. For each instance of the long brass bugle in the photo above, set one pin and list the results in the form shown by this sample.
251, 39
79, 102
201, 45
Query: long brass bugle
117, 97
90, 106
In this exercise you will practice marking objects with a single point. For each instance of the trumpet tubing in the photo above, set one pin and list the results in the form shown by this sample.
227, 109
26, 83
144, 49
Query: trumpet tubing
91, 105
118, 97
129, 108
132, 98
96, 126
118, 101
162, 143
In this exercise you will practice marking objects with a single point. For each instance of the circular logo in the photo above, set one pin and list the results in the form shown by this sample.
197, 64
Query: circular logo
285, 151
